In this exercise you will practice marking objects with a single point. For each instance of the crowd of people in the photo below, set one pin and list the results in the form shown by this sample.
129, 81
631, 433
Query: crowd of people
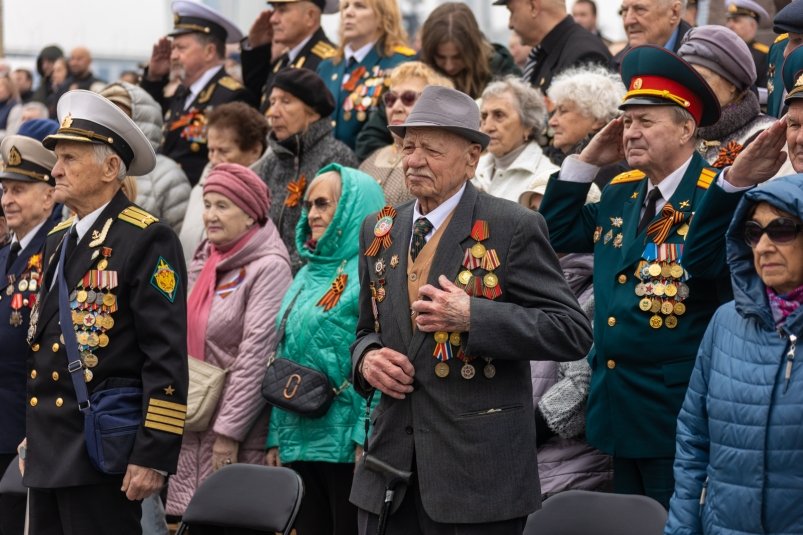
519, 271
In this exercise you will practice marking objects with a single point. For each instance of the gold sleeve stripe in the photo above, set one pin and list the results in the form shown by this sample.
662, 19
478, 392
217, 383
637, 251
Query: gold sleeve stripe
164, 419
163, 427
167, 405
166, 412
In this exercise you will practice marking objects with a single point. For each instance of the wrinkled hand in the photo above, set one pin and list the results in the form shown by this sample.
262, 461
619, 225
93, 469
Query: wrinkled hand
140, 482
761, 159
159, 65
607, 146
224, 452
272, 457
23, 444
358, 451
448, 309
388, 371
261, 32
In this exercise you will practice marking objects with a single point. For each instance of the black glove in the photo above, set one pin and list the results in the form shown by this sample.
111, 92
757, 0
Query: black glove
542, 431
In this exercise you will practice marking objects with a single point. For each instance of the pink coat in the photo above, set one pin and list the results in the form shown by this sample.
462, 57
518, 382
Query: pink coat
239, 337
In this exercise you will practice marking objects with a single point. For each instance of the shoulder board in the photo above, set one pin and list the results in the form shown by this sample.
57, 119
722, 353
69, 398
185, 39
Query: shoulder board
781, 37
404, 50
230, 83
323, 50
67, 223
137, 217
707, 176
628, 176
761, 47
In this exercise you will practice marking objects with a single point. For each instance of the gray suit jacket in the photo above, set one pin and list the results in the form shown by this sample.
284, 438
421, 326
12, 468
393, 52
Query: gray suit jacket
473, 440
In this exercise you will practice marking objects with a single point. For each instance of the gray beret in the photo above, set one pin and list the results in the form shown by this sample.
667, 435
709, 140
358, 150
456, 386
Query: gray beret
721, 50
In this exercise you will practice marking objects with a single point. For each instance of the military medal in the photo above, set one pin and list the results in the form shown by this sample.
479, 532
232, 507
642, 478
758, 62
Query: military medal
616, 222
442, 370
90, 359
617, 241
379, 267
597, 234
33, 285
23, 285
489, 370
384, 224
667, 308
467, 371
671, 322
10, 290
16, 304
645, 304
103, 263
88, 375
394, 261
656, 322
442, 353
608, 237
380, 290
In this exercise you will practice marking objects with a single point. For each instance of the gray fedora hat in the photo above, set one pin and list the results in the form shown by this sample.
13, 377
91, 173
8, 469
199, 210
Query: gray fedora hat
448, 109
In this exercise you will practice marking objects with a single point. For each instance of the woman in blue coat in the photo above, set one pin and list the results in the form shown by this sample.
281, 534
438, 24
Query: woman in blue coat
372, 43
739, 459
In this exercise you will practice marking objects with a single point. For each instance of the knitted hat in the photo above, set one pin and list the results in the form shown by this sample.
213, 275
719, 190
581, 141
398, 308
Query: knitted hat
307, 87
242, 187
719, 48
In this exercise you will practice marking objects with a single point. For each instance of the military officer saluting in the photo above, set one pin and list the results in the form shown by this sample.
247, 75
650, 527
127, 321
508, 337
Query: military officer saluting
744, 17
652, 306
112, 302
28, 202
197, 50
287, 35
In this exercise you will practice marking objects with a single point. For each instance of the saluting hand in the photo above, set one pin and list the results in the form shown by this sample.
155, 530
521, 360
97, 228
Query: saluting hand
762, 158
261, 32
159, 65
606, 146
448, 309
140, 482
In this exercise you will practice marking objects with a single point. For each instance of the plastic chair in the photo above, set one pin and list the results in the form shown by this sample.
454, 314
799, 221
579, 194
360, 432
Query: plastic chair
11, 483
582, 512
246, 496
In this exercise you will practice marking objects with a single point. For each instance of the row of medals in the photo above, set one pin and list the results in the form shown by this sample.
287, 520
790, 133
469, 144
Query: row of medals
663, 291
91, 317
365, 97
30, 285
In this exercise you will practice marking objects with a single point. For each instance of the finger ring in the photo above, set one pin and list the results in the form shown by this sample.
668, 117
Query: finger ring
227, 461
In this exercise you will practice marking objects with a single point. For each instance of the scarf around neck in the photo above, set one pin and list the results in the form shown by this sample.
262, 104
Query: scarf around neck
782, 306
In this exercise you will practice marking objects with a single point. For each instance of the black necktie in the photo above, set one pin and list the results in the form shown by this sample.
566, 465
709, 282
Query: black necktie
421, 228
13, 252
351, 63
72, 241
649, 210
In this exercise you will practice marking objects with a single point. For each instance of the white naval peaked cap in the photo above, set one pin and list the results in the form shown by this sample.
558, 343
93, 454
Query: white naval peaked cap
194, 17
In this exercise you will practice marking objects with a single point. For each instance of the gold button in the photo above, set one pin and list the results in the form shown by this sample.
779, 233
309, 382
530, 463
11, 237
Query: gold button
55, 347
33, 374
611, 321
35, 348
413, 277
622, 278
59, 402
55, 376
34, 401
611, 364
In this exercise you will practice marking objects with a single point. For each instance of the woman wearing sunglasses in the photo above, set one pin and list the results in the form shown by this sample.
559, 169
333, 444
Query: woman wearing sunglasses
321, 311
739, 460
406, 84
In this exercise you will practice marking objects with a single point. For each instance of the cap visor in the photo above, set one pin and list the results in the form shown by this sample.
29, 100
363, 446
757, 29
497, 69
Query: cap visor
50, 141
471, 135
6, 175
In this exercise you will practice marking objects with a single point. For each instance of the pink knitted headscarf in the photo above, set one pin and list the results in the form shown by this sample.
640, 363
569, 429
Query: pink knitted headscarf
242, 187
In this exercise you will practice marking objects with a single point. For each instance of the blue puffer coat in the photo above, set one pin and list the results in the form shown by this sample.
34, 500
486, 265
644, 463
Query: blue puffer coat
739, 459
320, 339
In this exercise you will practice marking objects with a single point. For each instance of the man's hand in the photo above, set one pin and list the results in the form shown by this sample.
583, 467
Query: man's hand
388, 371
224, 452
261, 32
762, 158
607, 146
21, 451
140, 482
159, 66
272, 457
358, 451
448, 309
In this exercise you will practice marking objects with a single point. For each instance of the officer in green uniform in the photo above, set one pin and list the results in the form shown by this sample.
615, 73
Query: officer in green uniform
744, 17
198, 48
788, 23
651, 308
122, 314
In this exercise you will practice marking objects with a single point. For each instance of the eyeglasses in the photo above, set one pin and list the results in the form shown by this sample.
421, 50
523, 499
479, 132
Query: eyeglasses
321, 203
408, 98
781, 230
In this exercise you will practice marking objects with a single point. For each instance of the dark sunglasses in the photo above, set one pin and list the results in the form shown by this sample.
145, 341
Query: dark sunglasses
320, 203
408, 98
781, 230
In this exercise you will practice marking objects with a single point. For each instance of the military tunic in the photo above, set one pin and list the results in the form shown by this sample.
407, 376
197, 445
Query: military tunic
760, 53
640, 368
133, 333
184, 130
775, 89
358, 88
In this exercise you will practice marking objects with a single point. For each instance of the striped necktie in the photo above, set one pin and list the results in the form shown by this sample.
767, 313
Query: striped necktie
421, 228
532, 63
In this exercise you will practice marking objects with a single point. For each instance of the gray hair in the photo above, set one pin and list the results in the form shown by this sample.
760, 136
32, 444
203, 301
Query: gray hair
102, 152
681, 115
596, 91
337, 185
529, 101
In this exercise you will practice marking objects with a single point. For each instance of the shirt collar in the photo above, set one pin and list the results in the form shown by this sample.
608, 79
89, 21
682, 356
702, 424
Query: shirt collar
293, 53
439, 214
673, 39
26, 240
200, 83
83, 225
358, 54
670, 183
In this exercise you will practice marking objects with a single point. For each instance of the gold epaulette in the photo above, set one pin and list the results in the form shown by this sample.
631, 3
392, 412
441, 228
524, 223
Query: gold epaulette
230, 83
706, 177
761, 47
137, 217
323, 50
404, 50
67, 223
628, 176
781, 37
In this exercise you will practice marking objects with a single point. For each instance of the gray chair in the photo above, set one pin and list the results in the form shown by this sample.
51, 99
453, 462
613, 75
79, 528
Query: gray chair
246, 497
11, 483
582, 512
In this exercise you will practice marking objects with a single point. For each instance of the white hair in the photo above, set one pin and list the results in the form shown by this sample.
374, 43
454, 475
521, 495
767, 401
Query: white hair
596, 91
528, 100
103, 151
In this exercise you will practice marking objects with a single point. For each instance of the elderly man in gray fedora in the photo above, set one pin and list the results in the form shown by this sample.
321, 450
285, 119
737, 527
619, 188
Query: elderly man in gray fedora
458, 291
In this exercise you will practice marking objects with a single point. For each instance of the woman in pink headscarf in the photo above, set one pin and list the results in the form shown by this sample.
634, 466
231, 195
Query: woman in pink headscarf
237, 279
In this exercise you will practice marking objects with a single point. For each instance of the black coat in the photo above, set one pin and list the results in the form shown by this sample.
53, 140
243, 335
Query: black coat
146, 345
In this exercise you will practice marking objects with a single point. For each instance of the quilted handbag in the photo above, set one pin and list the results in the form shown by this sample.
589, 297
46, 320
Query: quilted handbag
297, 388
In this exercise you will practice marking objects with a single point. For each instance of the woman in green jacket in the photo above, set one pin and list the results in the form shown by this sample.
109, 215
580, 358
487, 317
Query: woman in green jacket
320, 327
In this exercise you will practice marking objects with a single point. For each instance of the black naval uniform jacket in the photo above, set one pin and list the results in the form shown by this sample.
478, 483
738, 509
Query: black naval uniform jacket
184, 130
27, 267
146, 346
258, 70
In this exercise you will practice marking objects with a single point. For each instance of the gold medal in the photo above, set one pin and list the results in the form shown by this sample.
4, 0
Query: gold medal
489, 370
90, 360
88, 319
656, 322
671, 322
10, 289
645, 304
361, 116
671, 290
464, 277
380, 294
659, 289
676, 271
88, 375
108, 322
92, 340
347, 116
654, 269
441, 337
655, 307
683, 230
442, 370
454, 339
666, 271
666, 308
679, 309
490, 280
641, 289
77, 317
82, 338
478, 250
468, 371
394, 261
103, 264
103, 340
109, 299
81, 296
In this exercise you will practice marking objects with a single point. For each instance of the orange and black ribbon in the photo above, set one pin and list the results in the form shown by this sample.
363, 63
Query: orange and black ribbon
384, 223
354, 78
295, 191
332, 296
659, 229
727, 155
